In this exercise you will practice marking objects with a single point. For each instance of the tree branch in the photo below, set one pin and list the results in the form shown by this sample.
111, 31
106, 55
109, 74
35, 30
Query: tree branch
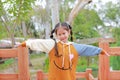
74, 12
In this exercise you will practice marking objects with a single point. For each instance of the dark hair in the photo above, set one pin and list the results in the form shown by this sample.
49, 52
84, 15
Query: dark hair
65, 26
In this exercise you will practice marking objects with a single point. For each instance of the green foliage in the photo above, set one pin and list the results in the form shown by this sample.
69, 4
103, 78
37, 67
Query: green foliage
112, 14
34, 55
65, 9
43, 64
81, 66
6, 64
112, 11
13, 12
31, 31
3, 32
41, 14
46, 66
85, 24
20, 9
115, 64
116, 33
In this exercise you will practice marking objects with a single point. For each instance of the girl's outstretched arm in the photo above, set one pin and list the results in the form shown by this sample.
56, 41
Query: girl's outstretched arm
44, 45
87, 50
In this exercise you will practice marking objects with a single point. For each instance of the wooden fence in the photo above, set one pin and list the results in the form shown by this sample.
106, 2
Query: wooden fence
23, 68
86, 75
104, 63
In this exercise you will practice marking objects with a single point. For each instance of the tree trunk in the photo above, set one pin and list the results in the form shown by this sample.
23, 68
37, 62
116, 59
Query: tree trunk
13, 39
48, 25
54, 12
47, 30
8, 28
24, 29
74, 12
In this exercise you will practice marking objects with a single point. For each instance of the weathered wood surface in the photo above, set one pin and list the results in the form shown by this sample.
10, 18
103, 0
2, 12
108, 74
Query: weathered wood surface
23, 68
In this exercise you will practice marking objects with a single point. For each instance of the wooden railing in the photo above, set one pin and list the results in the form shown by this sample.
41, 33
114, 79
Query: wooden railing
23, 69
86, 75
104, 63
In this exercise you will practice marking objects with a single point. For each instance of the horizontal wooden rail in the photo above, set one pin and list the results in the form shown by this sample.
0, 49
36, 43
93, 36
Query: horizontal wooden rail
106, 40
8, 76
21, 53
45, 75
115, 75
85, 75
8, 53
91, 77
80, 74
115, 51
104, 61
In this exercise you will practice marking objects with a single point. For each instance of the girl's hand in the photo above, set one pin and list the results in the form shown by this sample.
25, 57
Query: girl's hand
104, 52
23, 44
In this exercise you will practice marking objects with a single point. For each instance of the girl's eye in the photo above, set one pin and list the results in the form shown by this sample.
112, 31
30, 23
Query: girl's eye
59, 34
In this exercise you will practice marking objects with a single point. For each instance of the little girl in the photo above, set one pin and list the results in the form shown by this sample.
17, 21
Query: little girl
63, 55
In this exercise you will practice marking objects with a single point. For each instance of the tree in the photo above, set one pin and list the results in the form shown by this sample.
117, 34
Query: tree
115, 60
113, 13
41, 20
18, 12
54, 12
86, 23
73, 13
3, 33
76, 9
13, 13
109, 14
112, 16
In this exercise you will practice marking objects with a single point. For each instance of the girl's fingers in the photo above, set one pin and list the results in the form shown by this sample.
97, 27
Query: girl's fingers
104, 52
107, 54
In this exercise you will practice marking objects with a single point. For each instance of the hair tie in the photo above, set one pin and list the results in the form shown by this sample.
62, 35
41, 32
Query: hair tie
51, 36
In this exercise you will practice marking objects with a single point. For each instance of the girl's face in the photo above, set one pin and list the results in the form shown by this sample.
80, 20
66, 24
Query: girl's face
62, 34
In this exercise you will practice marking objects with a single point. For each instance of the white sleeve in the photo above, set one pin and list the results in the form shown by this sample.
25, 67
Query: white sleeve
44, 45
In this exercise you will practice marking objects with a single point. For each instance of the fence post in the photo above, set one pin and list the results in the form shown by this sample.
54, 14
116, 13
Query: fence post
23, 64
40, 75
88, 71
104, 62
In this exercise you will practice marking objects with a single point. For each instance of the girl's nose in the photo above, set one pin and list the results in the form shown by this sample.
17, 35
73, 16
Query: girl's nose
62, 36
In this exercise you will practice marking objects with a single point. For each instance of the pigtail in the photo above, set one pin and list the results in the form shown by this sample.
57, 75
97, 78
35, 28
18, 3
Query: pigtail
56, 47
51, 35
